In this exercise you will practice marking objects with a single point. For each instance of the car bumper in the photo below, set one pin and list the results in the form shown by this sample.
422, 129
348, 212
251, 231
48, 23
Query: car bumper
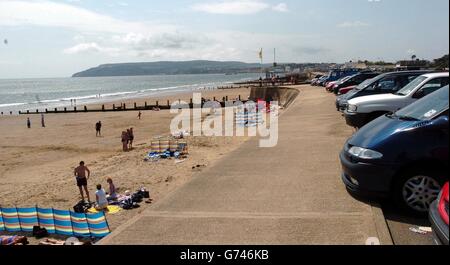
341, 105
440, 229
372, 180
357, 120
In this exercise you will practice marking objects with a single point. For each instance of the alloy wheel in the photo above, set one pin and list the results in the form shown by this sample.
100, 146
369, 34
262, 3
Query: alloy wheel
420, 191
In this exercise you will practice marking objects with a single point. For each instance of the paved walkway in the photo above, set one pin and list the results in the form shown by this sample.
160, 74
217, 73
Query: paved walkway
290, 194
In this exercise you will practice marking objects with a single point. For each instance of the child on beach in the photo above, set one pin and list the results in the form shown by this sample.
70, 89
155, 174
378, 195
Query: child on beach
28, 123
124, 141
100, 196
112, 194
139, 115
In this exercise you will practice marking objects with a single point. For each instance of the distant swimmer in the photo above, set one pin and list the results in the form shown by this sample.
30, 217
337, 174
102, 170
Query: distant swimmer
80, 175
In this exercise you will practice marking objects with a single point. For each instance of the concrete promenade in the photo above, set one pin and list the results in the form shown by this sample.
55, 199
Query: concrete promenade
289, 194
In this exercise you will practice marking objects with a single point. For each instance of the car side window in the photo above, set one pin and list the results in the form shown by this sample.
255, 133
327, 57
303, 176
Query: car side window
432, 86
388, 84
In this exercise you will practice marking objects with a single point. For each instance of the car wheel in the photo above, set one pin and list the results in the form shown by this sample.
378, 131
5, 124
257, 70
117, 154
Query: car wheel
414, 192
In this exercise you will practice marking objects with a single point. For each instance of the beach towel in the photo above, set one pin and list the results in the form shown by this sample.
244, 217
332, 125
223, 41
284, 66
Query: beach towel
13, 240
111, 209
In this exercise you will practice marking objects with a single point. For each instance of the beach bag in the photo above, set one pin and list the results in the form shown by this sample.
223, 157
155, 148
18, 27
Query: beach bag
39, 232
81, 207
137, 197
127, 204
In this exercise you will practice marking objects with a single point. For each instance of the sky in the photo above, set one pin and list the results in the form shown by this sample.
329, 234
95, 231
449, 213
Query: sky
45, 38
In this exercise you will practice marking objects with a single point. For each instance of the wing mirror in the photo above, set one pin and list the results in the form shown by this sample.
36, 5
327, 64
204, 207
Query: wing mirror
419, 94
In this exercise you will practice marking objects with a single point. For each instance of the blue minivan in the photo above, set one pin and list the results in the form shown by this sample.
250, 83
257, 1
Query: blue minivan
403, 155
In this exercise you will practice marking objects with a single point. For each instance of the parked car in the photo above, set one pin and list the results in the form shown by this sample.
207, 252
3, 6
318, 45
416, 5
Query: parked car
322, 81
337, 74
438, 216
354, 80
403, 156
382, 84
345, 90
315, 79
363, 110
330, 85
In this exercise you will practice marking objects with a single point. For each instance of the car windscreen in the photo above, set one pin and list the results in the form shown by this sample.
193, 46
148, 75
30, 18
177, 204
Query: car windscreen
342, 80
364, 84
411, 86
426, 108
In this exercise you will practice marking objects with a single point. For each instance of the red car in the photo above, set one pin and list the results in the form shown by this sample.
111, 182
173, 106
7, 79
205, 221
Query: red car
438, 216
345, 90
330, 85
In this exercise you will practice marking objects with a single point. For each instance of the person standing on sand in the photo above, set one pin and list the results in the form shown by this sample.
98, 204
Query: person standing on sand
98, 129
130, 138
80, 175
42, 120
28, 123
124, 141
139, 115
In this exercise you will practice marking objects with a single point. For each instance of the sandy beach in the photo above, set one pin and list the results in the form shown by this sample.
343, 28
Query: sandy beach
36, 165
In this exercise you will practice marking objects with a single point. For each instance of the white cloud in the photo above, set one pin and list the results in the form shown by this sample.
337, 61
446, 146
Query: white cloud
91, 47
352, 24
238, 7
281, 7
51, 14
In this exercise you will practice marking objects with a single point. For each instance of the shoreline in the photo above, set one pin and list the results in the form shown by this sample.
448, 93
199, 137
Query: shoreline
168, 88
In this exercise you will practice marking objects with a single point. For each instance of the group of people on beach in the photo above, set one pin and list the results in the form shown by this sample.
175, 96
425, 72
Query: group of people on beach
102, 198
127, 139
42, 121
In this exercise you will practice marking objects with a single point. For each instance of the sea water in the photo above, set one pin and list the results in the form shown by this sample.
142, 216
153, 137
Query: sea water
32, 94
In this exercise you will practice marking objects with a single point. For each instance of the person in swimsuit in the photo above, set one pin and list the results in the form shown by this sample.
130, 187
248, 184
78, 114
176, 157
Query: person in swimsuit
80, 175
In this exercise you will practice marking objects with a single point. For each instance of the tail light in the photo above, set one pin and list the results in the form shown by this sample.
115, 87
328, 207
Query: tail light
443, 203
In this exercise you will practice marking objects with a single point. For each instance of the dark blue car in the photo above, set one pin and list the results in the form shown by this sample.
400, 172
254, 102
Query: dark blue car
403, 156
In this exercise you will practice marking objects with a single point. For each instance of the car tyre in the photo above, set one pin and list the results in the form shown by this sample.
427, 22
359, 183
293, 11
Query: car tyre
415, 190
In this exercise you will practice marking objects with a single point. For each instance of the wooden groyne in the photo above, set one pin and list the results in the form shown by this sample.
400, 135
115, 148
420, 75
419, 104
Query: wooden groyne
134, 107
